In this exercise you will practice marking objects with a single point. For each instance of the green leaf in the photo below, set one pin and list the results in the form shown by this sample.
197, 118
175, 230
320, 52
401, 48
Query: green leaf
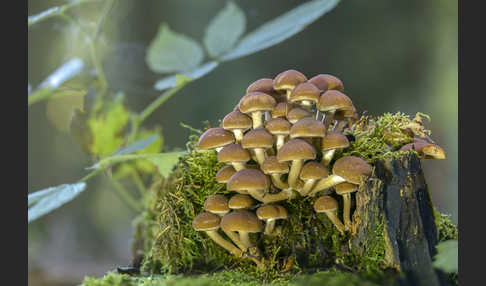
49, 199
447, 256
172, 81
280, 28
137, 145
224, 30
165, 161
173, 52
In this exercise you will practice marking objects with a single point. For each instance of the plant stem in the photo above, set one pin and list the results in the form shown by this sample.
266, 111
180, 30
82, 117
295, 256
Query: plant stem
126, 196
54, 11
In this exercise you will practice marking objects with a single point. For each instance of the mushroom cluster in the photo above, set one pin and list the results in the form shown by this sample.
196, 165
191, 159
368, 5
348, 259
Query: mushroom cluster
279, 144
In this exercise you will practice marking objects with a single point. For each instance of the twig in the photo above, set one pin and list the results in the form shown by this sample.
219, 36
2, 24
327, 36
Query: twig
54, 11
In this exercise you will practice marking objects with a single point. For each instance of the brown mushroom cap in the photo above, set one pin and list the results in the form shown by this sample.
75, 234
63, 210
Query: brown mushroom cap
216, 204
215, 137
272, 166
233, 153
287, 80
281, 109
206, 221
297, 113
257, 138
334, 100
241, 201
313, 171
296, 149
264, 85
278, 126
334, 140
343, 114
271, 211
429, 150
327, 82
224, 174
345, 188
256, 101
237, 120
325, 204
248, 179
305, 91
241, 220
308, 127
351, 168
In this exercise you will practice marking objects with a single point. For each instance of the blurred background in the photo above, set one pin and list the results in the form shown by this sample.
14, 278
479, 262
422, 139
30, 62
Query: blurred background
391, 55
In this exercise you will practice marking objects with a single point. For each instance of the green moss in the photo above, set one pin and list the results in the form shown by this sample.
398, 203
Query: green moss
446, 229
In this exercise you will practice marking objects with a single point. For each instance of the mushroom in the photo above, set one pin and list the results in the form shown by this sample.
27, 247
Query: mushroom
346, 169
258, 140
309, 129
255, 183
281, 109
288, 80
265, 85
255, 103
305, 94
280, 128
327, 82
238, 123
224, 174
329, 206
345, 190
270, 213
234, 154
296, 114
331, 101
427, 150
217, 204
332, 142
240, 202
343, 118
311, 172
215, 138
271, 166
209, 223
297, 151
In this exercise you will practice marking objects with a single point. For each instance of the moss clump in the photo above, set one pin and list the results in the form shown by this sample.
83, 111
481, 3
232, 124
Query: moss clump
446, 229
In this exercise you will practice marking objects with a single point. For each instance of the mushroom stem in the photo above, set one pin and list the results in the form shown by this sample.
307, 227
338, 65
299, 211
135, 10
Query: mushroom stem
294, 172
340, 125
347, 210
235, 238
326, 183
328, 119
277, 181
327, 156
219, 240
218, 149
269, 226
260, 155
307, 187
256, 116
238, 166
317, 114
238, 135
280, 141
245, 239
270, 198
336, 221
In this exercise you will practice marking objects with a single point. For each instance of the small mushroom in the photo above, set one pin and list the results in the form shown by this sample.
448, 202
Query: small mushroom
331, 101
280, 128
234, 154
209, 223
255, 103
345, 190
265, 85
305, 94
288, 80
238, 123
297, 151
270, 214
326, 82
217, 204
311, 172
241, 202
332, 142
309, 129
427, 150
258, 140
329, 206
296, 114
281, 109
343, 118
215, 138
224, 174
271, 166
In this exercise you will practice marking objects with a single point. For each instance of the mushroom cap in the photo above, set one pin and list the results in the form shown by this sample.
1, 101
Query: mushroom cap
343, 114
429, 150
281, 109
256, 101
313, 171
272, 166
224, 174
216, 204
297, 113
287, 80
233, 153
325, 204
329, 81
271, 211
334, 140
257, 138
241, 220
237, 120
248, 179
308, 127
206, 221
351, 168
241, 201
278, 126
296, 149
345, 188
264, 85
305, 91
215, 137
334, 100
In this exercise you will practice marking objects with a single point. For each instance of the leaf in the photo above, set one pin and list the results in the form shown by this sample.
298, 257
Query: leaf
171, 81
173, 52
138, 145
52, 198
224, 30
68, 70
165, 161
446, 258
280, 28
